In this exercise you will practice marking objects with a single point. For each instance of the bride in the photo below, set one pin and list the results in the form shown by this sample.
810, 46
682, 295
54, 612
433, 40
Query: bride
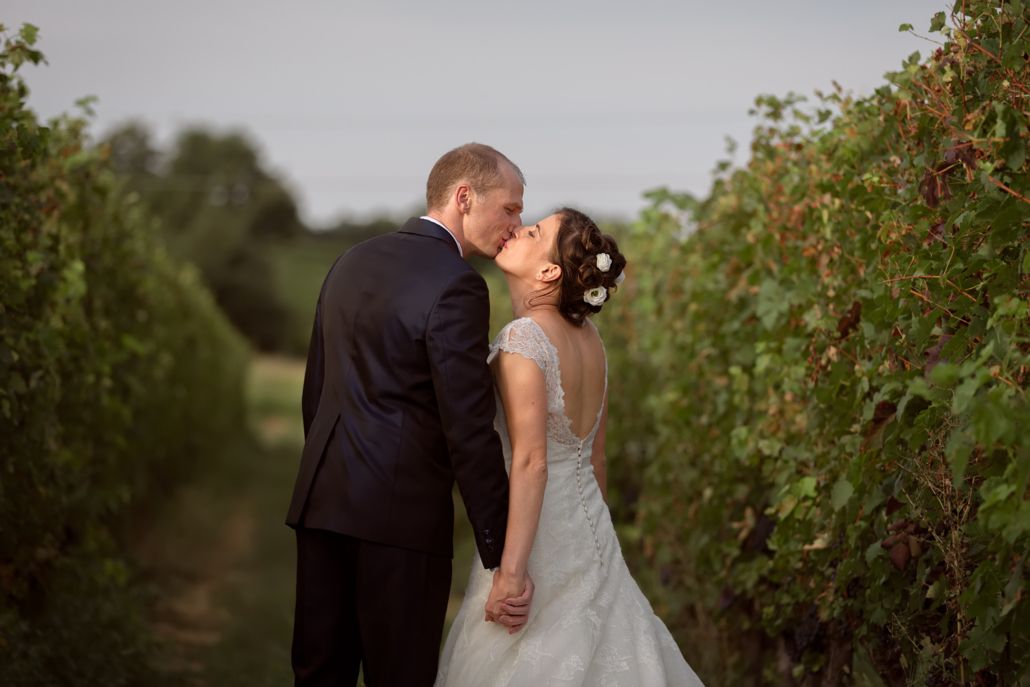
588, 622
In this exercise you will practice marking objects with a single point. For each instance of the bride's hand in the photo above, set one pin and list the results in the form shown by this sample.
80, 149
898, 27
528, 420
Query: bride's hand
516, 610
509, 601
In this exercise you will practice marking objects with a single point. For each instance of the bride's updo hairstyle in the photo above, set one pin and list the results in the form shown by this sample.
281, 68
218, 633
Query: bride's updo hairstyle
578, 245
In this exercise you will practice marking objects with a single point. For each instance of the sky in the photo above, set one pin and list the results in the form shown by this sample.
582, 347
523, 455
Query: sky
352, 102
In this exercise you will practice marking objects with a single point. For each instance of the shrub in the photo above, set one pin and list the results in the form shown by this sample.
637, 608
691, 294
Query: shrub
119, 375
832, 442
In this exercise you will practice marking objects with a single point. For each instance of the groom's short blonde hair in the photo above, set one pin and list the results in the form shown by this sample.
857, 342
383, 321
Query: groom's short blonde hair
477, 164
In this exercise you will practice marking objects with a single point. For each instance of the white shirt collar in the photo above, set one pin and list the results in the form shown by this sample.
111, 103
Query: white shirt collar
438, 222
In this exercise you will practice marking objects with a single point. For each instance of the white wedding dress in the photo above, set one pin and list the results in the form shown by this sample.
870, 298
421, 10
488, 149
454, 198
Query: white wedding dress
589, 623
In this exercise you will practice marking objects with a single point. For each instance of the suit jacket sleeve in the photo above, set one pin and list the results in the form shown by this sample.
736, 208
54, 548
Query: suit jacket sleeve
313, 372
457, 348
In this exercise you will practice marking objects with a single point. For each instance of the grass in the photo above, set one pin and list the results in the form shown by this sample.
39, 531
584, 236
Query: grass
222, 556
223, 559
300, 267
258, 591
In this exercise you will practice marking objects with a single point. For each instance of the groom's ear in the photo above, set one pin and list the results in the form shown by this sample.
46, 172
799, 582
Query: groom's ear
463, 198
549, 273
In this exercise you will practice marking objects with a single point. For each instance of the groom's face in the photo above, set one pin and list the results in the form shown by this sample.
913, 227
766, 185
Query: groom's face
494, 215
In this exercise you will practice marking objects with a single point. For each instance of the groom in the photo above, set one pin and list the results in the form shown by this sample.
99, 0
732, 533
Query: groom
398, 405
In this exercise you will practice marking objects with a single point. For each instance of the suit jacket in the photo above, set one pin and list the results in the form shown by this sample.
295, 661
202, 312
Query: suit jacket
398, 399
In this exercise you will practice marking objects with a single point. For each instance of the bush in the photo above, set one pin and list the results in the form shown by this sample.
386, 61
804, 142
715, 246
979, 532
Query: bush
834, 346
119, 376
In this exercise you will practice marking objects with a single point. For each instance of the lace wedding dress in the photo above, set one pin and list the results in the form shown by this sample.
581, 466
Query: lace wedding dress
589, 623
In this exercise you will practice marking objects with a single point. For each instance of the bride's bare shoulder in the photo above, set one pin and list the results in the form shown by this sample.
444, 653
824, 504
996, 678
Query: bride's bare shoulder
552, 325
565, 335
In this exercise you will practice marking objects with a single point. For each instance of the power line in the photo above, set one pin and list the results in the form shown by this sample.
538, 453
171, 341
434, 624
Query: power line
362, 182
392, 123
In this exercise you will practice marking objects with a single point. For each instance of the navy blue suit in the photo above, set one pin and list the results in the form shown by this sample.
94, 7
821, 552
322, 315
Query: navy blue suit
398, 405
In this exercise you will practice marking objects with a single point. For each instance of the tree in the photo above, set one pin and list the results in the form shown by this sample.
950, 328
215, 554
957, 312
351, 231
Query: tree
218, 207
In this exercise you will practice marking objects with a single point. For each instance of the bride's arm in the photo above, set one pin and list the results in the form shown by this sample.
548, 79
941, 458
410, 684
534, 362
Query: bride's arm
597, 458
523, 392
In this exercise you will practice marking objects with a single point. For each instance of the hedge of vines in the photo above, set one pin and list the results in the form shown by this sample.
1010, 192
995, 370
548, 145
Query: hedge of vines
820, 372
117, 375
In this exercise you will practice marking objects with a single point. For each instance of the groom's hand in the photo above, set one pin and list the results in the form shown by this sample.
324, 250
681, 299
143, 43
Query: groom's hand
509, 601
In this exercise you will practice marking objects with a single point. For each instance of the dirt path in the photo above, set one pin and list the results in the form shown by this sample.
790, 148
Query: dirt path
219, 558
221, 561
189, 616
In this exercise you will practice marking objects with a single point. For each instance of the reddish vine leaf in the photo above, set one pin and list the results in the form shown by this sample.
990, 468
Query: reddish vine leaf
882, 414
936, 233
900, 554
961, 152
849, 321
934, 188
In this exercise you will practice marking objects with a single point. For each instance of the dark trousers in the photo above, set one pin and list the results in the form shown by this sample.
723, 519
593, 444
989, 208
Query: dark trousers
365, 604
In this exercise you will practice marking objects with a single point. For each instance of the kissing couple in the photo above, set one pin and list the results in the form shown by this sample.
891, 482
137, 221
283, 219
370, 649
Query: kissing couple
403, 397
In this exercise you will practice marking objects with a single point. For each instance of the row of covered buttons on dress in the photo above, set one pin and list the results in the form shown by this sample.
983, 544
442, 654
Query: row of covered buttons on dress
583, 503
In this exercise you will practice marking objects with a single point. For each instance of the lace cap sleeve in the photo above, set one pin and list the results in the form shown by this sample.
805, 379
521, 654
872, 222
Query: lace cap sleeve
523, 336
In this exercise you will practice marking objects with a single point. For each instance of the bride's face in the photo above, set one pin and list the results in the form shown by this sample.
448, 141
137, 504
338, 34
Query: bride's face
530, 251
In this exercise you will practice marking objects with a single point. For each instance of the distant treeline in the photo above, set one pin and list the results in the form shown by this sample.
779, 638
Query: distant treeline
217, 205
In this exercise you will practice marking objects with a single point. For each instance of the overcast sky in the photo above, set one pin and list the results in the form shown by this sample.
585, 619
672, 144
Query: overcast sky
352, 102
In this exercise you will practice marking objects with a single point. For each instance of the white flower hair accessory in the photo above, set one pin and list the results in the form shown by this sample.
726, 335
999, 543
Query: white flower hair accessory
621, 278
596, 296
604, 262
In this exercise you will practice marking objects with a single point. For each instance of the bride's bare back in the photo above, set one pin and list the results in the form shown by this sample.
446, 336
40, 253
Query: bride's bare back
582, 365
